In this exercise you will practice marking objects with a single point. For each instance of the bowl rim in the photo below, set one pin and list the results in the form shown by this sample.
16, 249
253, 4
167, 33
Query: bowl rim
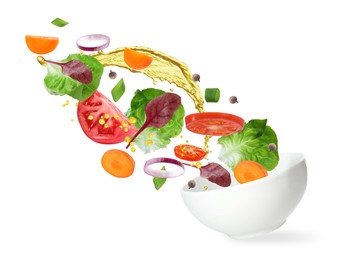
257, 182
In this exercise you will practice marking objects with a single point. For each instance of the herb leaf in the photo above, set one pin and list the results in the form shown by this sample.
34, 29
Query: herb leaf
76, 70
118, 91
216, 174
159, 112
158, 182
59, 22
250, 144
57, 83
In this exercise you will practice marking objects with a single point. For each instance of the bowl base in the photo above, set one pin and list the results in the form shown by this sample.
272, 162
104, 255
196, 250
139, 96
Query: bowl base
256, 234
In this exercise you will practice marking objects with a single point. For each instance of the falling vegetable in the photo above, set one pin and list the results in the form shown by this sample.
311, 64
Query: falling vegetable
159, 111
212, 94
216, 174
118, 91
118, 163
158, 182
75, 69
59, 22
136, 60
41, 44
58, 83
246, 171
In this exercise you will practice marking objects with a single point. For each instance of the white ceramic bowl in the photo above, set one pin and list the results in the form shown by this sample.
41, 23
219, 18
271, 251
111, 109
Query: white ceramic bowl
253, 208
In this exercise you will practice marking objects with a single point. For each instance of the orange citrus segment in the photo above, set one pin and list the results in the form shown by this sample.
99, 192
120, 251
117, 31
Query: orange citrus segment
41, 44
136, 60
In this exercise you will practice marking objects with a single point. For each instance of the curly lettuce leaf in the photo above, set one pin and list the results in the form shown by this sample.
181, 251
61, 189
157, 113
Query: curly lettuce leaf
152, 138
250, 144
58, 83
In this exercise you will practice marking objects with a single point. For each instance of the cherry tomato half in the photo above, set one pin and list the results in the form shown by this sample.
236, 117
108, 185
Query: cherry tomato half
189, 152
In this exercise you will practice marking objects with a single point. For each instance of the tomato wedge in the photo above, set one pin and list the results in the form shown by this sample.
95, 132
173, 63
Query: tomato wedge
214, 123
102, 121
41, 44
189, 152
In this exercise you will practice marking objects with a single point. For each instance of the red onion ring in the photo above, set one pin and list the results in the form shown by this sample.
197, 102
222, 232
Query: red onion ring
157, 172
93, 42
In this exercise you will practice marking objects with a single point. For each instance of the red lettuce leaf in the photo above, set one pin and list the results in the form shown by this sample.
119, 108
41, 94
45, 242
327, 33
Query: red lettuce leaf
76, 70
159, 111
216, 174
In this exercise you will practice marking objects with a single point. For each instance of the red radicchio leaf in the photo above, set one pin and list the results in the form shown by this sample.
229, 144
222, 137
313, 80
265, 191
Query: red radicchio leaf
216, 174
159, 111
75, 69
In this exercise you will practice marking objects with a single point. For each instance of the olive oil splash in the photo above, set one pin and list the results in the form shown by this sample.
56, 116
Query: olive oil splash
163, 67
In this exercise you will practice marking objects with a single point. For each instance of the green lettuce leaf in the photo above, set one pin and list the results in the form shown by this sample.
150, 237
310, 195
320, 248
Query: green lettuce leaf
58, 83
152, 138
250, 144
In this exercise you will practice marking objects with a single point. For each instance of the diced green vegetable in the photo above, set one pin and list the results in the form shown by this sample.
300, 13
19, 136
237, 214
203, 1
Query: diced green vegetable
59, 22
212, 94
118, 91
163, 168
158, 182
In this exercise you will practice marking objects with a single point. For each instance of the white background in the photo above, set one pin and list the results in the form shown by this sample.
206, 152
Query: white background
280, 58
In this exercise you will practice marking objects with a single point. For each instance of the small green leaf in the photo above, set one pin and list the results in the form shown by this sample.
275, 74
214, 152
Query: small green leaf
163, 168
212, 94
59, 22
118, 91
158, 182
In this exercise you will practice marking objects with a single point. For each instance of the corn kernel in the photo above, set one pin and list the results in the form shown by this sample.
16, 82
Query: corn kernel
106, 125
133, 149
150, 135
205, 187
127, 139
124, 124
90, 117
101, 121
106, 116
171, 89
115, 116
132, 144
149, 142
198, 165
126, 129
76, 104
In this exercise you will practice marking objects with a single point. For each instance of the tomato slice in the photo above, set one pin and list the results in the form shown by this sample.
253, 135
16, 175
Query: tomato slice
102, 121
189, 152
214, 123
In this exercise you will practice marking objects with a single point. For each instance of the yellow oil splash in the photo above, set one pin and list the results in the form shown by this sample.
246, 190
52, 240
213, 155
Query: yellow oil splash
163, 67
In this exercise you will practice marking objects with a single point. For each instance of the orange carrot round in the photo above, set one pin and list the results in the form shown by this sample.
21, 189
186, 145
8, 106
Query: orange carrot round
136, 60
118, 163
41, 44
247, 170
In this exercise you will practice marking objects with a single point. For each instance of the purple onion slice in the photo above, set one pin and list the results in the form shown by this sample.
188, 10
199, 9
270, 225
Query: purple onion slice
164, 167
93, 42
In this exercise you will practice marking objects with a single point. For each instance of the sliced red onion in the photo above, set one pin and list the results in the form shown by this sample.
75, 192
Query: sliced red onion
164, 167
93, 42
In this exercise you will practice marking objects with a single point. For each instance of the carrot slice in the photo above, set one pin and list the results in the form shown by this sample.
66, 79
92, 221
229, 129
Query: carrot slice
136, 60
41, 44
118, 163
247, 170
